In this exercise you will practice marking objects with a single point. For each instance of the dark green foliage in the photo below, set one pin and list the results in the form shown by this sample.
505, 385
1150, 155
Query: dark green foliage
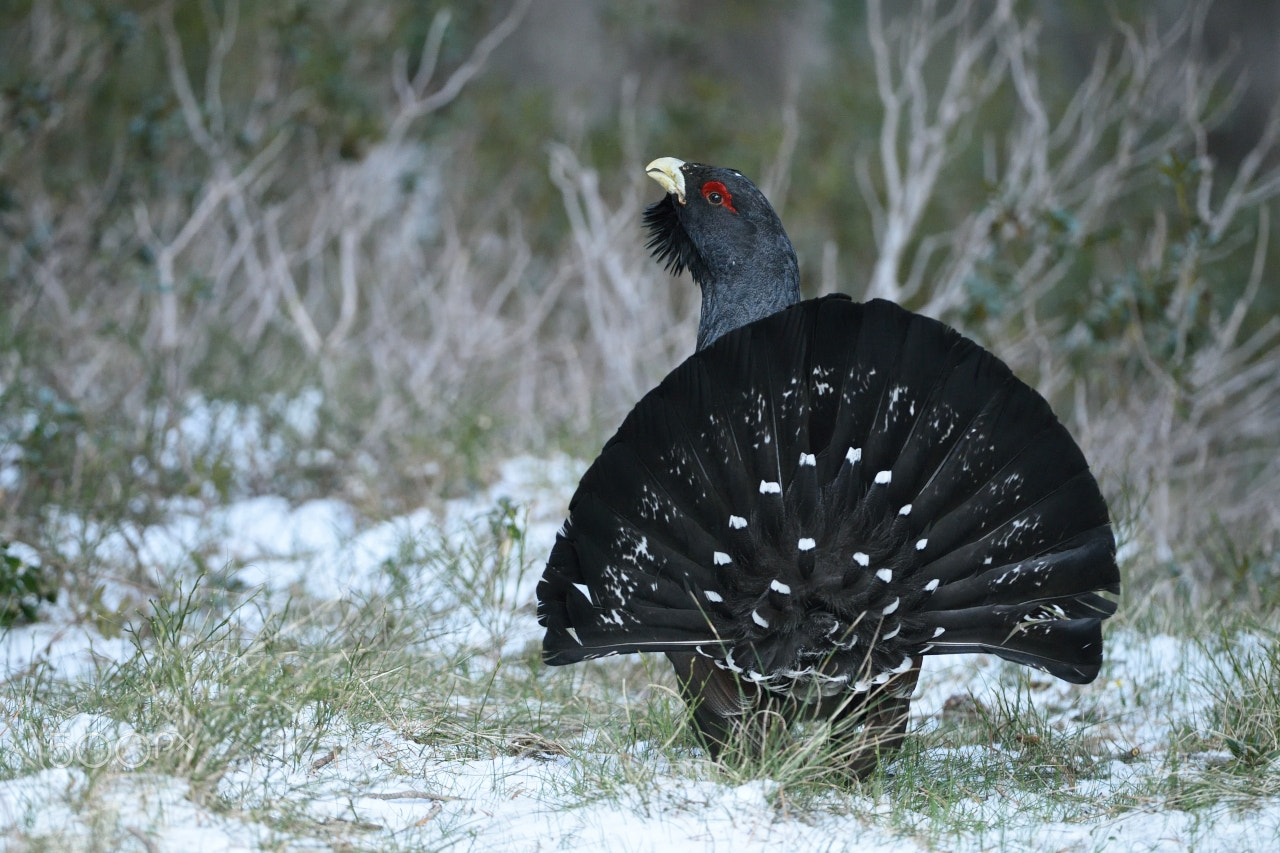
23, 588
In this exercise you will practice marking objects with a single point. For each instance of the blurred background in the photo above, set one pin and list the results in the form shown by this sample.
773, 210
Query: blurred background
371, 250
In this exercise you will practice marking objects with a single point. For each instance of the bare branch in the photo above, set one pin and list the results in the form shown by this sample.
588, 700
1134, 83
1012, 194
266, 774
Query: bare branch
283, 274
431, 51
976, 69
777, 175
415, 103
224, 36
191, 112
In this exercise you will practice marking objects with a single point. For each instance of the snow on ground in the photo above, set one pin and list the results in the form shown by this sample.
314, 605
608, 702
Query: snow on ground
416, 797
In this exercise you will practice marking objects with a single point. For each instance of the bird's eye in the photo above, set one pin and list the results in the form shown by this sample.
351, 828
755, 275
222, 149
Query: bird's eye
717, 195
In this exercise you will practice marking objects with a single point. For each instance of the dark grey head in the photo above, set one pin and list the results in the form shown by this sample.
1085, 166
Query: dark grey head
719, 226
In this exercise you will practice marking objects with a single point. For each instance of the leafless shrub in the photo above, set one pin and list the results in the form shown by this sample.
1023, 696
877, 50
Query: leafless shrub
424, 314
360, 266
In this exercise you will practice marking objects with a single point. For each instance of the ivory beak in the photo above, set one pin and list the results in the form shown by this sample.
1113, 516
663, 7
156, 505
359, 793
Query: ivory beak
666, 171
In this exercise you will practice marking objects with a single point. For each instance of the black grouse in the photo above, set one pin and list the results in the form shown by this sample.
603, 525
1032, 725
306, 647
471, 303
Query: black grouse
824, 493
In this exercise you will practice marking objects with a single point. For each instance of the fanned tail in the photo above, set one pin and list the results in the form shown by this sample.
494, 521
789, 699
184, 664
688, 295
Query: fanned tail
821, 497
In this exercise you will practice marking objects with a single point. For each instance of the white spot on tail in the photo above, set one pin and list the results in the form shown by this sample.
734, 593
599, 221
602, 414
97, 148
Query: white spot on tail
893, 633
881, 678
921, 544
891, 606
808, 459
720, 558
807, 544
737, 522
884, 478
906, 665
885, 575
584, 589
759, 620
931, 585
770, 488
938, 632
862, 559
906, 510
778, 586
573, 632
713, 596
986, 562
854, 455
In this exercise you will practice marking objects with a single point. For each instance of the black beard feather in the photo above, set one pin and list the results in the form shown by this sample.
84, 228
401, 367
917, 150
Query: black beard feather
668, 242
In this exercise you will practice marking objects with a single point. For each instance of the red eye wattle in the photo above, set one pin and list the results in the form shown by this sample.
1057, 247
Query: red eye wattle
716, 194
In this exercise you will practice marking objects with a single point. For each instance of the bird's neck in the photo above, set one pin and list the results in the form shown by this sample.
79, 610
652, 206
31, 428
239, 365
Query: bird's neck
742, 292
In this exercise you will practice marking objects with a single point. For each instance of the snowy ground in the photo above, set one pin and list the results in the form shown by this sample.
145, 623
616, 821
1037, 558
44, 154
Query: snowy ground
399, 794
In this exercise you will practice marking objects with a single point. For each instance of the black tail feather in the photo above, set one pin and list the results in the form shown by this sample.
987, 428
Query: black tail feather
1070, 649
824, 495
1047, 577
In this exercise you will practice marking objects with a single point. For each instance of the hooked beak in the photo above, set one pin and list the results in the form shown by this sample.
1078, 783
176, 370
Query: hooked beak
666, 171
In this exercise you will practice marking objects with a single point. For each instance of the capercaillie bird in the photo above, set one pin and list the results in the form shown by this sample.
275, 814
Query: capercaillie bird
824, 493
